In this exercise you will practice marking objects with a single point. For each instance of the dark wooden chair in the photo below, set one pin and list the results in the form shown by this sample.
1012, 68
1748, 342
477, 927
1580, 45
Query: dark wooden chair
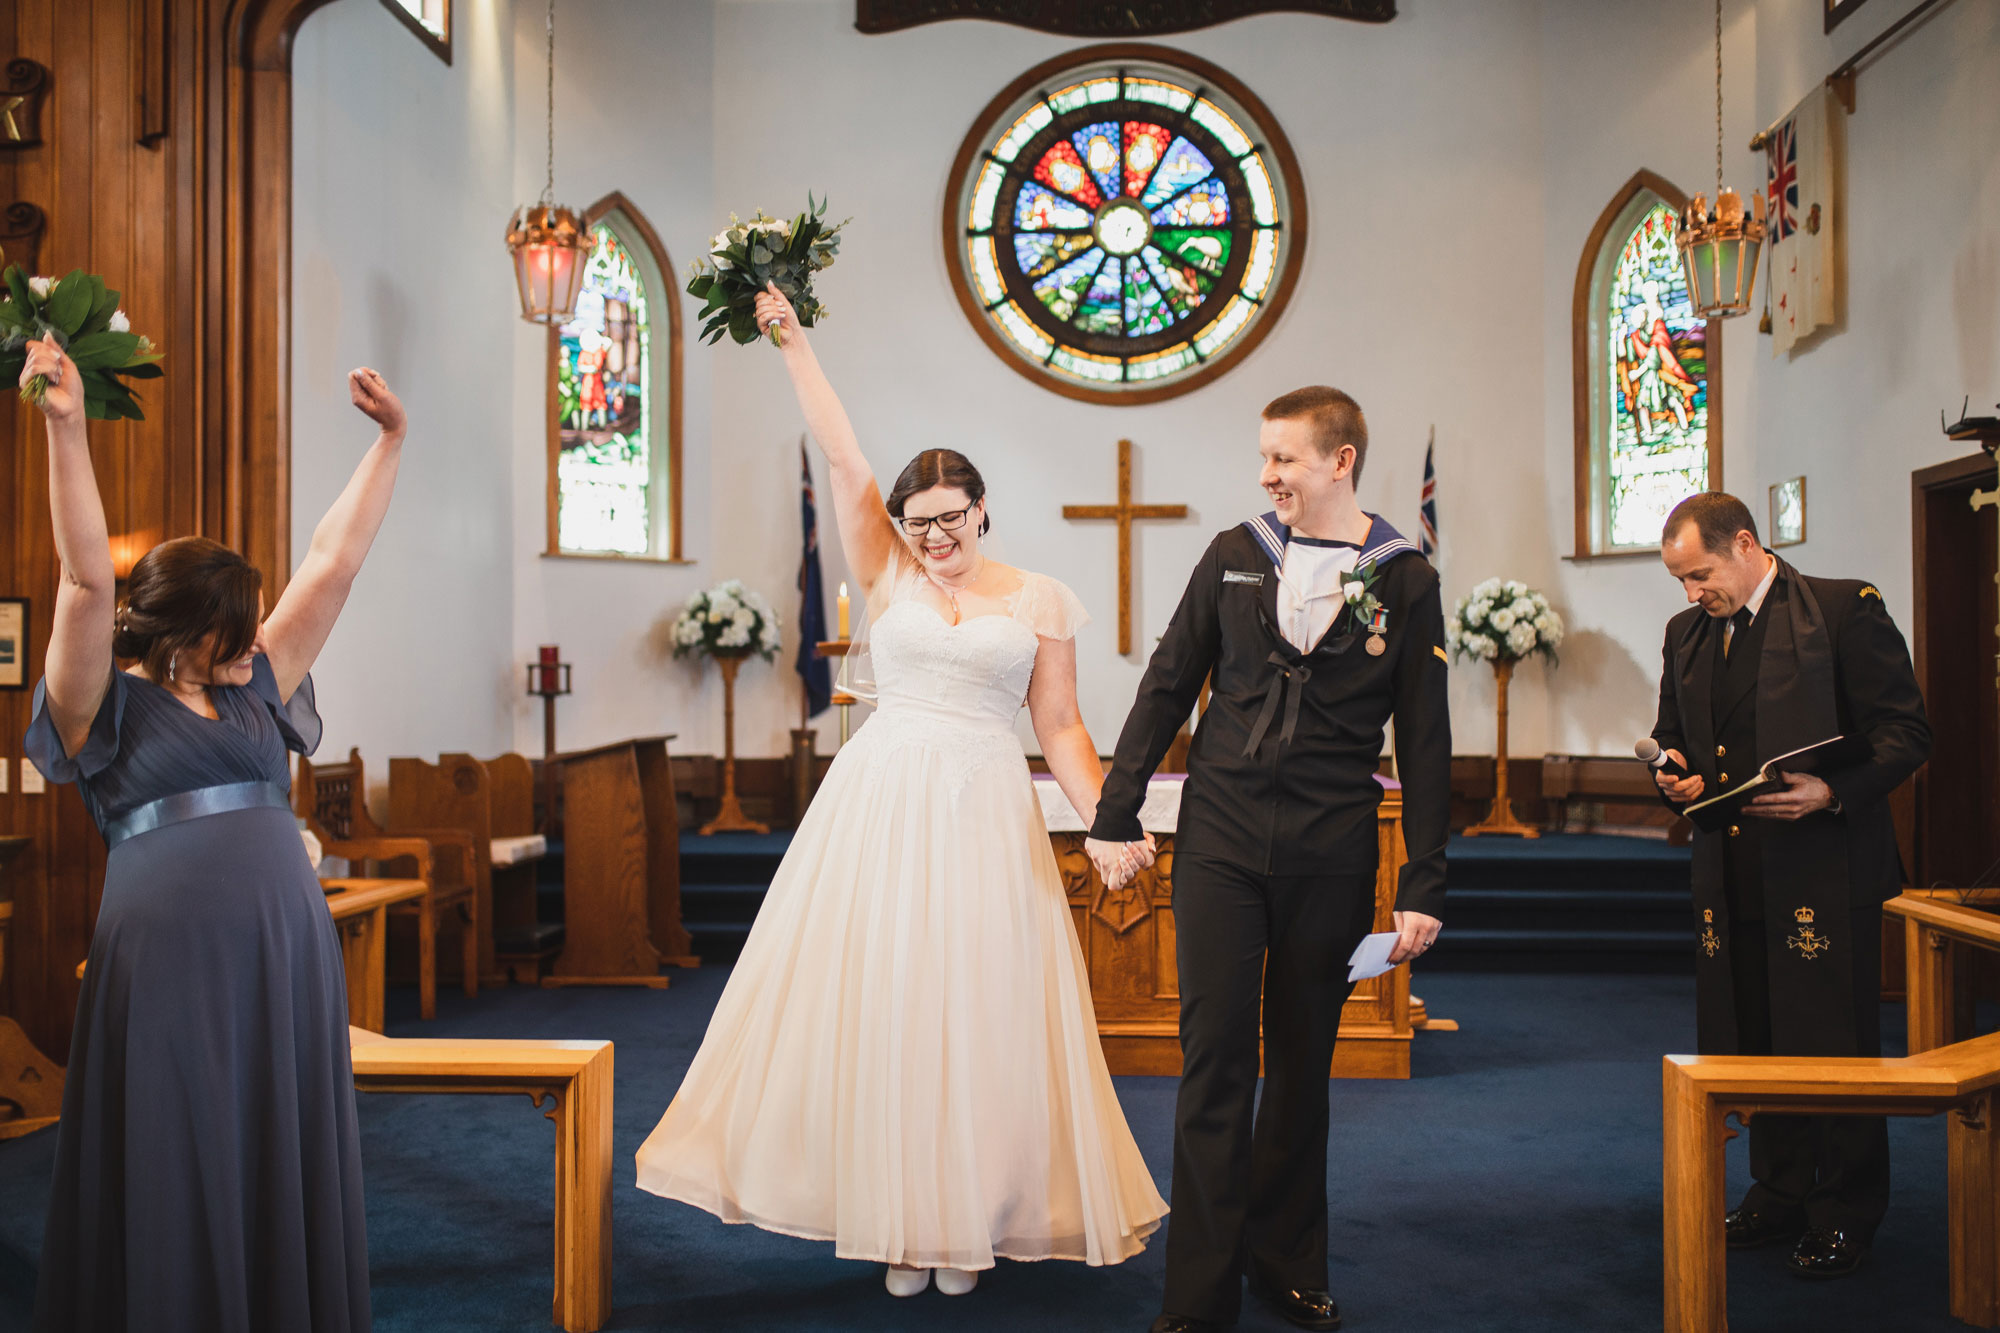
332, 799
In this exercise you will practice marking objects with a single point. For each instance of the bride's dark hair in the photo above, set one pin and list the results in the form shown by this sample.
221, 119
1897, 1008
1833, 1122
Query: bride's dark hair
939, 467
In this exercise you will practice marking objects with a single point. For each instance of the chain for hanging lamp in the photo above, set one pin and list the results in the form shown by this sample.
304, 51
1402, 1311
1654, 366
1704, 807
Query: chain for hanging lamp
549, 242
1720, 246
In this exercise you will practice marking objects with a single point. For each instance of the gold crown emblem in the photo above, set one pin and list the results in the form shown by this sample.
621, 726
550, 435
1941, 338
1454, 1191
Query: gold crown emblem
1804, 916
1708, 915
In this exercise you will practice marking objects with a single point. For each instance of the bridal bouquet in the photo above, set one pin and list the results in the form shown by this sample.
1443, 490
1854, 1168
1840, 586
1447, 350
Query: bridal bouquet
727, 621
83, 317
1503, 621
744, 256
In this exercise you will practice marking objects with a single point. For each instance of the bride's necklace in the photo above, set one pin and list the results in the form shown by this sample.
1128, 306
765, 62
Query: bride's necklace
951, 593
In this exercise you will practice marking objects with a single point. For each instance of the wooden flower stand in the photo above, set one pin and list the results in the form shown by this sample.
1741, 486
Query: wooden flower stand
730, 818
1500, 819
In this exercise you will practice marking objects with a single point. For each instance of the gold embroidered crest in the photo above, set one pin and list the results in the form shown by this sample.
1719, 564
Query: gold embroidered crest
1709, 942
1807, 942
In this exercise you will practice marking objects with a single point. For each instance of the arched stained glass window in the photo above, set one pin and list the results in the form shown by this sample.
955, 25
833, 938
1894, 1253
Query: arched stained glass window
1649, 411
615, 455
1125, 223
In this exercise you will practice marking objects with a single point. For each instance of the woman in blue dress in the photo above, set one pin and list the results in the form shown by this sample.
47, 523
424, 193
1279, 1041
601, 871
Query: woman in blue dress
208, 1171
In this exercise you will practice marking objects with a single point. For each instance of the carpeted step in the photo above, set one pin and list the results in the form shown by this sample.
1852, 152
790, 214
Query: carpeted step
1566, 902
717, 942
721, 903
723, 880
732, 858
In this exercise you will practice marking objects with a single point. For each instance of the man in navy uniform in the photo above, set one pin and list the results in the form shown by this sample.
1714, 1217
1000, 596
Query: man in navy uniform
1788, 895
1318, 623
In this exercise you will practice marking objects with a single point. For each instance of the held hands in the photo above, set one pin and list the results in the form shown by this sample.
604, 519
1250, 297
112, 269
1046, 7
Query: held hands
1118, 863
1679, 790
371, 393
1802, 795
775, 312
1417, 934
63, 403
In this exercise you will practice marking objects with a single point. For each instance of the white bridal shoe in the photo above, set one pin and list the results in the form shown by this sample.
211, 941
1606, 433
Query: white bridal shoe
907, 1281
956, 1281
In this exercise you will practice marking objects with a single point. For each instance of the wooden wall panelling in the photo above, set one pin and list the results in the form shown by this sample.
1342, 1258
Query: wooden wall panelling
193, 226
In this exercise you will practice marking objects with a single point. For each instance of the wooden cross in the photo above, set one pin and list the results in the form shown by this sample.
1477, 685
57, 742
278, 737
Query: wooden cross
1125, 512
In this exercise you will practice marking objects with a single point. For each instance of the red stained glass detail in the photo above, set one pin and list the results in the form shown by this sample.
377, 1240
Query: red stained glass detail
1145, 145
1062, 171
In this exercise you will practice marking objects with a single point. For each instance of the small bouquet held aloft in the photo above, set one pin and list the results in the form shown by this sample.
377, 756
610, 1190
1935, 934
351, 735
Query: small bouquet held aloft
728, 620
1503, 622
744, 256
81, 314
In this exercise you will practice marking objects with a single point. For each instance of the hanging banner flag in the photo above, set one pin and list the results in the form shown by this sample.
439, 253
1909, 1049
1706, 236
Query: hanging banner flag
1427, 513
814, 671
1799, 185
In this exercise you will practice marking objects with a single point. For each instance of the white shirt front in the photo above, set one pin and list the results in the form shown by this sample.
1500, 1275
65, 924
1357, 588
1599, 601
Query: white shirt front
1756, 602
1309, 588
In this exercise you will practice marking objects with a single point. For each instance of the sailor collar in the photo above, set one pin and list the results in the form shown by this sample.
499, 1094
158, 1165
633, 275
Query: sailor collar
1383, 543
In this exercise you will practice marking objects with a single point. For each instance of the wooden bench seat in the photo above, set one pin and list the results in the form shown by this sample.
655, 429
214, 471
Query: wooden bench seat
575, 1078
1700, 1092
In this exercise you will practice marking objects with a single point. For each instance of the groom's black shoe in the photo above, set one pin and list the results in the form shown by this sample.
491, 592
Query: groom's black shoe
1308, 1307
1183, 1323
1746, 1229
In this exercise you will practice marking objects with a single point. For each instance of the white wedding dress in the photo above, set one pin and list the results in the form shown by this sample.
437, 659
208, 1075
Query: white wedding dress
905, 1061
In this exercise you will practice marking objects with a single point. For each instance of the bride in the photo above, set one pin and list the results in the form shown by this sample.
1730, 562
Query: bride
904, 1061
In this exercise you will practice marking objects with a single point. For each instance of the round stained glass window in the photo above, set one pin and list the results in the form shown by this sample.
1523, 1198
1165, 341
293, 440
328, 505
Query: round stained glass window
1124, 223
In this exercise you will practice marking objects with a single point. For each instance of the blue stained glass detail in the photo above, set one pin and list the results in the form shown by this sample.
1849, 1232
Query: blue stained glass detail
1062, 290
1102, 148
1183, 165
1038, 209
1204, 205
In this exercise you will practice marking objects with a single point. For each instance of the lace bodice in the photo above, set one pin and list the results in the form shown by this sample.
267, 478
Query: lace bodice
975, 672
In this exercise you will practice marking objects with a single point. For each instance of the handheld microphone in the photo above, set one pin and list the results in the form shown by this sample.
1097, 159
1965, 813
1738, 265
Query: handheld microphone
1649, 750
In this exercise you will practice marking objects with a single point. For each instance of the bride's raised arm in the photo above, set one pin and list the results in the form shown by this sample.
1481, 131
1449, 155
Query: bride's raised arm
867, 533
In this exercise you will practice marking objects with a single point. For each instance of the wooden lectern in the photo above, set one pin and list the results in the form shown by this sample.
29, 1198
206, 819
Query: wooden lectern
621, 867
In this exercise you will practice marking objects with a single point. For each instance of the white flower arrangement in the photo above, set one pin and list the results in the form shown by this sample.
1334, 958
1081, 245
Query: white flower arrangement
1503, 621
729, 620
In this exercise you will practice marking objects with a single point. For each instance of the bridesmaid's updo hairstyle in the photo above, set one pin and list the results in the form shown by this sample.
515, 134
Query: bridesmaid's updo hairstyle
939, 467
184, 592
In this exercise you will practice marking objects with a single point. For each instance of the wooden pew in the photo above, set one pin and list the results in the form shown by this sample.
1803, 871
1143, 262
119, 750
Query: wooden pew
1936, 934
575, 1078
493, 802
1699, 1092
360, 910
332, 798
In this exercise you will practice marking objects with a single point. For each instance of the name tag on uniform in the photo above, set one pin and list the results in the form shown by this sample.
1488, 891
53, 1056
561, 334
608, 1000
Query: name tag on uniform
1255, 580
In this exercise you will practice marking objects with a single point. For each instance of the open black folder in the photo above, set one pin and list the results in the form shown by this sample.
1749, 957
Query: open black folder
1716, 812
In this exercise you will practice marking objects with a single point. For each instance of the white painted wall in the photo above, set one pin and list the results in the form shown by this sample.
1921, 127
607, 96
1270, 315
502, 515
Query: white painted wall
403, 172
1534, 113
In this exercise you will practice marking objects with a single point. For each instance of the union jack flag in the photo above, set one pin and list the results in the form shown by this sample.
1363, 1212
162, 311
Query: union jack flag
1781, 177
1427, 513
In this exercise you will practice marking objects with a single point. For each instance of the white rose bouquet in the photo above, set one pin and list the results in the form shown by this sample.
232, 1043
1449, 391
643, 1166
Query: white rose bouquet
728, 620
1503, 621
743, 256
84, 318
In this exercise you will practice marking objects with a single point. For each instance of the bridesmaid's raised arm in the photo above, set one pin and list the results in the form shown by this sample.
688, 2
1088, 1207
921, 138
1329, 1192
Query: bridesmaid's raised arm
298, 628
79, 660
867, 534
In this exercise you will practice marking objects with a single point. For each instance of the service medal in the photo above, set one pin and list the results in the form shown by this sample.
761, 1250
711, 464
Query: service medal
1376, 645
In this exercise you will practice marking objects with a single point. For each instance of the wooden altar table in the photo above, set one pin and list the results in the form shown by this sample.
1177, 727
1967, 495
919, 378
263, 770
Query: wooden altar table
1128, 944
360, 910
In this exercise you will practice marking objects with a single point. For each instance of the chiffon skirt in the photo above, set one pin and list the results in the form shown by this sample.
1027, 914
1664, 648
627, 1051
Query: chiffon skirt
905, 1061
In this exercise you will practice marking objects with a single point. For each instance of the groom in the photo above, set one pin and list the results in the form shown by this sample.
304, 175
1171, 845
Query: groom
1317, 623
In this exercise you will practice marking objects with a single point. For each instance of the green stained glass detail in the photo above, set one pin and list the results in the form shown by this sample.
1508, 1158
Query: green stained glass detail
604, 467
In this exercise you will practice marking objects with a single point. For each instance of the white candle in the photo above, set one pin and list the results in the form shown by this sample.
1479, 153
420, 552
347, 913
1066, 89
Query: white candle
842, 613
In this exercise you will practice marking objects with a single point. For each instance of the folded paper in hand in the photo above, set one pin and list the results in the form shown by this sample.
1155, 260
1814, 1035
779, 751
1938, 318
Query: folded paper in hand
1715, 812
1371, 956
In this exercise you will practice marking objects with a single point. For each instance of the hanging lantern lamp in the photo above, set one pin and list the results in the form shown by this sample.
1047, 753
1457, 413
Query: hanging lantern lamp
1720, 246
548, 241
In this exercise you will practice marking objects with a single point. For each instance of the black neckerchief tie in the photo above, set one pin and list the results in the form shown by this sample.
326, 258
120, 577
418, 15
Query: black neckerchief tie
1297, 673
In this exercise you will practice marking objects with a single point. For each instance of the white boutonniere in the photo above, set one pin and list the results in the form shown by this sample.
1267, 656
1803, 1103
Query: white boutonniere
1358, 592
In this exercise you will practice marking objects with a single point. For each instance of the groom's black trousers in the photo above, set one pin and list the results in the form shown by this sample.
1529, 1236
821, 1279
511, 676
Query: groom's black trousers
1244, 1198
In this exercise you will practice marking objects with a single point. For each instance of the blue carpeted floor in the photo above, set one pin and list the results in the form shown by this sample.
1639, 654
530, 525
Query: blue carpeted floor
1512, 1184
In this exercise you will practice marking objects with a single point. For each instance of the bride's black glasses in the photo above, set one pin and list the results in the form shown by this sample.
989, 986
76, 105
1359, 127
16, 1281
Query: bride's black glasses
950, 522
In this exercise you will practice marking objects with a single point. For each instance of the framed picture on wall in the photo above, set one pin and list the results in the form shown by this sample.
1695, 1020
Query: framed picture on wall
1788, 512
13, 643
1837, 10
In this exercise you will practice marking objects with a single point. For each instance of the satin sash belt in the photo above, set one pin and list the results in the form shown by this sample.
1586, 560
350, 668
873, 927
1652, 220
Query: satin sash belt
186, 805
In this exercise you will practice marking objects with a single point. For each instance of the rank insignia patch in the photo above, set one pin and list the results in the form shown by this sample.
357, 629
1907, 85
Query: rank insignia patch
1869, 591
1441, 655
1806, 941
